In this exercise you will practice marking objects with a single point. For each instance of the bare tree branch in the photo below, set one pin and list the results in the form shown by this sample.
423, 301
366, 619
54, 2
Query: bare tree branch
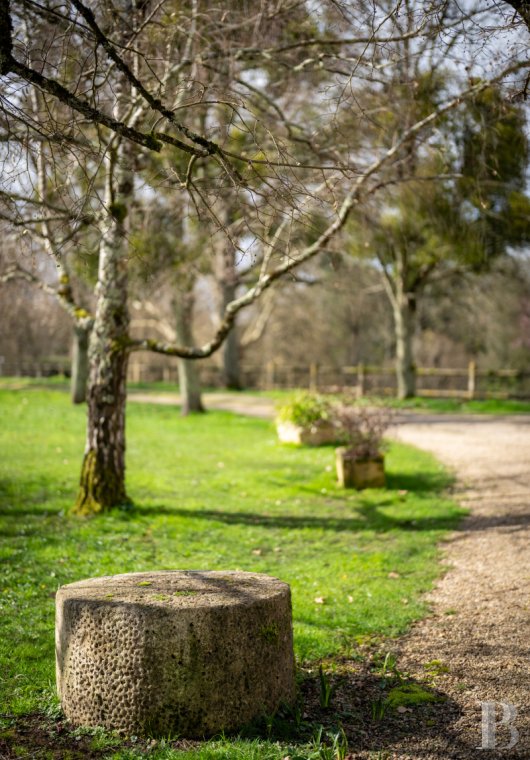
62, 293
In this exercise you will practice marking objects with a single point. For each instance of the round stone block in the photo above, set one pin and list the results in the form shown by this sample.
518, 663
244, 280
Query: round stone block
187, 653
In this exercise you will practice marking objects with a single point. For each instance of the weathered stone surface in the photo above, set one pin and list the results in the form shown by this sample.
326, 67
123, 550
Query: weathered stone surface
187, 653
314, 435
355, 473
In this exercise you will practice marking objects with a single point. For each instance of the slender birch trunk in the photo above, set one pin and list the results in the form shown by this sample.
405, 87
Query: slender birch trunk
403, 301
102, 483
189, 381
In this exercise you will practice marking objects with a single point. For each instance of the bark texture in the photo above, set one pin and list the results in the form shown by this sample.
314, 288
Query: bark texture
231, 348
102, 483
80, 365
405, 325
189, 381
232, 355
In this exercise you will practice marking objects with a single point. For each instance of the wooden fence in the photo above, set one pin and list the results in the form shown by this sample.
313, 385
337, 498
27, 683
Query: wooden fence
468, 382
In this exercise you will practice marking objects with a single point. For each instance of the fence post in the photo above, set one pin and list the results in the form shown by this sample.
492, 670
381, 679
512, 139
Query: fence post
360, 380
313, 377
471, 379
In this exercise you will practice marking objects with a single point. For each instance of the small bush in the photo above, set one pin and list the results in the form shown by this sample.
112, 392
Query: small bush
362, 429
306, 409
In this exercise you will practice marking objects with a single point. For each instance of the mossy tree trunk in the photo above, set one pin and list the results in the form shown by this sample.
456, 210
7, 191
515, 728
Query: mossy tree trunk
102, 483
189, 381
80, 364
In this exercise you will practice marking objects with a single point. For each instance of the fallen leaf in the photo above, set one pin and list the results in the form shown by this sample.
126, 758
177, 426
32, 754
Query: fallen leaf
394, 575
401, 709
257, 552
320, 600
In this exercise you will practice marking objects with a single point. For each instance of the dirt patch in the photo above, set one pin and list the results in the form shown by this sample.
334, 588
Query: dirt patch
38, 737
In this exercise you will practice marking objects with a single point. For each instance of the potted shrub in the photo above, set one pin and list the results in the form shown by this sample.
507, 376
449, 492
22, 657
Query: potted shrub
361, 462
307, 418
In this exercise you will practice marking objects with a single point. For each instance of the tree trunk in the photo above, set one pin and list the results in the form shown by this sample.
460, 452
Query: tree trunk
405, 324
231, 349
80, 366
227, 281
189, 382
102, 483
103, 472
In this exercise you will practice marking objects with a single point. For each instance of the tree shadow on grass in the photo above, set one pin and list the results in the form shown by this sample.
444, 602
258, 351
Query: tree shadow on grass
367, 510
420, 483
368, 517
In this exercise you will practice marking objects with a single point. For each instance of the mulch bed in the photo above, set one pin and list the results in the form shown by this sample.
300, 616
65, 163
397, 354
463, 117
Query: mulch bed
356, 711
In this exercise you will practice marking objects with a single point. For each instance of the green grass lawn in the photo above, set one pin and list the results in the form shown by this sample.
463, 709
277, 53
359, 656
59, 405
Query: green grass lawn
462, 405
214, 491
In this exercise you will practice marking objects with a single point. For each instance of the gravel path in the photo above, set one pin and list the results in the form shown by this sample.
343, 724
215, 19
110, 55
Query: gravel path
479, 627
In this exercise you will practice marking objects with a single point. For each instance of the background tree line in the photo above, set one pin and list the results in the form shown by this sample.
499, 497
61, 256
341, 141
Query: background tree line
147, 146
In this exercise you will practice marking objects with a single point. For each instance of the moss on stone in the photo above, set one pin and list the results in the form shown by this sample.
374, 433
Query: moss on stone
270, 633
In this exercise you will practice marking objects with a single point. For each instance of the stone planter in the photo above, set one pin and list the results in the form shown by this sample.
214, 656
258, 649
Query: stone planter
174, 653
319, 434
357, 473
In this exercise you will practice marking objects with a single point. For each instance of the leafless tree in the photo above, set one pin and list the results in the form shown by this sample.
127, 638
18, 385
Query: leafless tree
120, 80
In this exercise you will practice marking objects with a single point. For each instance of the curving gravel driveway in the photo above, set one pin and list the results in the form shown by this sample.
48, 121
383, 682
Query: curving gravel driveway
478, 631
480, 623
